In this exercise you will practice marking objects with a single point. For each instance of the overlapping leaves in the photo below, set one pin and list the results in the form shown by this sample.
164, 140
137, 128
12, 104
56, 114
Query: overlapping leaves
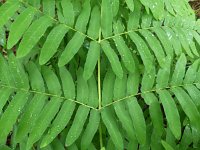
148, 66
50, 100
31, 25
45, 104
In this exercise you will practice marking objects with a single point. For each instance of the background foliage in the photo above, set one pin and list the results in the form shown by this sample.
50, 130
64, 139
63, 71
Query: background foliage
107, 74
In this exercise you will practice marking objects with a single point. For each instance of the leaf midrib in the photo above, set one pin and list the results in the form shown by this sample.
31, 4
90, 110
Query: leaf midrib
107, 38
110, 104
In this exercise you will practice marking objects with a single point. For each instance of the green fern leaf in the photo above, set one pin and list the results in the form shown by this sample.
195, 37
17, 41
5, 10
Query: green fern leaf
52, 81
134, 17
155, 46
123, 49
179, 72
171, 113
186, 138
113, 130
94, 25
169, 7
143, 50
9, 117
93, 94
184, 42
91, 60
120, 107
50, 109
71, 49
83, 18
108, 86
56, 144
60, 122
192, 45
113, 58
33, 35
32, 111
148, 80
157, 7
134, 109
115, 7
188, 106
137, 119
68, 12
4, 72
166, 145
163, 75
35, 77
90, 130
66, 111
106, 18
17, 70
19, 26
125, 54
163, 38
196, 36
67, 83
49, 7
191, 73
156, 115
174, 40
4, 96
35, 105
52, 43
7, 10
78, 123
130, 4
193, 92
43, 121
82, 88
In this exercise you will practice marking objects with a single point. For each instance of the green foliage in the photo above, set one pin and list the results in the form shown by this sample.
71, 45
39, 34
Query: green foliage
108, 74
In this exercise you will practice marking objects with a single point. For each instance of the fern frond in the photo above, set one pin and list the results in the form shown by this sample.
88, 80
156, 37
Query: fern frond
128, 111
147, 29
164, 90
37, 106
126, 71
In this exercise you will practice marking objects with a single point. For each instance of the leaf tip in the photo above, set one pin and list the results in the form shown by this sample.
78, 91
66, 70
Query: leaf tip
41, 61
20, 55
86, 75
43, 144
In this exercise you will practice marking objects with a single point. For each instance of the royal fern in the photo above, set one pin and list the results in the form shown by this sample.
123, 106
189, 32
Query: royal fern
108, 74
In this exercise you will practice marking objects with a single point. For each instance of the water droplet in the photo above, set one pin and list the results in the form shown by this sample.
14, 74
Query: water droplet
169, 36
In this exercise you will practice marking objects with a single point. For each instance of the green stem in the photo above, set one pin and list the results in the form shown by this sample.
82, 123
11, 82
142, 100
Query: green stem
100, 136
99, 83
99, 93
